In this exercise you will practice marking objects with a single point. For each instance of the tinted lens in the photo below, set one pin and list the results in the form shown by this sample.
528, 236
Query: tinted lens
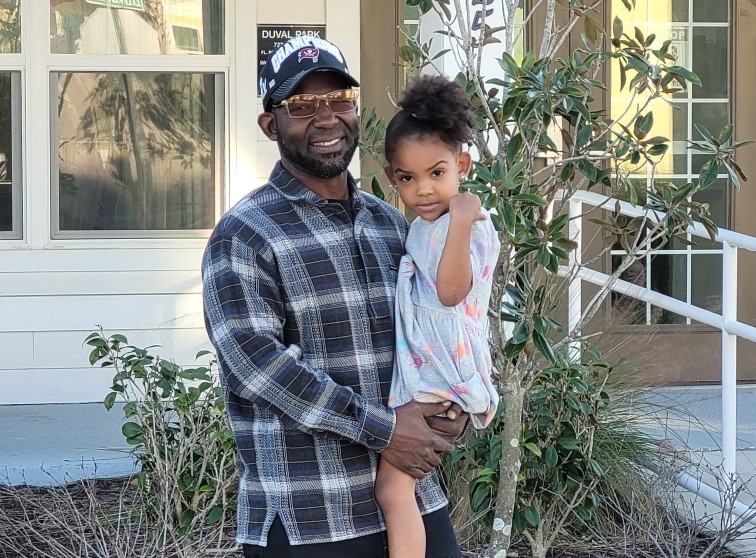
342, 101
305, 106
300, 108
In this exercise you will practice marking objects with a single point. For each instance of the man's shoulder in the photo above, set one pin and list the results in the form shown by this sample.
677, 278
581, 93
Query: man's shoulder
379, 206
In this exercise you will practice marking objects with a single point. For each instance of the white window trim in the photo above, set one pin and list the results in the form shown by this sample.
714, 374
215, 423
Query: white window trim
36, 64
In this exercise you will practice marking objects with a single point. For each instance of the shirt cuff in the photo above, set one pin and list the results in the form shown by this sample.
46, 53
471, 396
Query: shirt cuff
378, 426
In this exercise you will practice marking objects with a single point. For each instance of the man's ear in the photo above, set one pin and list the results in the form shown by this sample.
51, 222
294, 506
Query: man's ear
464, 163
267, 123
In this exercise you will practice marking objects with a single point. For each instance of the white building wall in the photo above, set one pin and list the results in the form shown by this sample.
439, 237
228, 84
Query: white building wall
54, 293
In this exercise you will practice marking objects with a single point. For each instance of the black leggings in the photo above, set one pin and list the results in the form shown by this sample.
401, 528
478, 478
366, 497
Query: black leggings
441, 543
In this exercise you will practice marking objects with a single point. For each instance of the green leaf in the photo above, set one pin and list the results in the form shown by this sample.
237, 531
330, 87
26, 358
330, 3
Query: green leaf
617, 28
569, 443
531, 516
215, 515
509, 65
533, 448
110, 400
131, 429
708, 173
521, 333
551, 457
705, 133
377, 190
685, 73
531, 198
543, 346
519, 522
588, 169
726, 134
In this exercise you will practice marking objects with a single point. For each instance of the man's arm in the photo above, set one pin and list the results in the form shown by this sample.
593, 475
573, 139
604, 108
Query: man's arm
244, 315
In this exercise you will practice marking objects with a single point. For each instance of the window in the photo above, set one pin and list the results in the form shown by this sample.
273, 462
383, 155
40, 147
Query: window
136, 153
700, 33
10, 131
10, 140
10, 26
136, 26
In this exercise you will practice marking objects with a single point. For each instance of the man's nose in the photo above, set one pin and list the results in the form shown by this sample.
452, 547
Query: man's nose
324, 114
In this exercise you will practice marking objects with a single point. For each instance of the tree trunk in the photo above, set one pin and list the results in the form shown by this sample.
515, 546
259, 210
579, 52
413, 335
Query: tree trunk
509, 469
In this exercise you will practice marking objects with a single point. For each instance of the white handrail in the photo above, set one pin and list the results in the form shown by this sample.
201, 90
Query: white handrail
727, 322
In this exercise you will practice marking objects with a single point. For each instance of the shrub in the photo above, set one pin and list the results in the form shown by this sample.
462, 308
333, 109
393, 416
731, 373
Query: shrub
175, 420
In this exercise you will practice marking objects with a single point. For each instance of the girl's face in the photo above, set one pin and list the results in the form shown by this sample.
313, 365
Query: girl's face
426, 171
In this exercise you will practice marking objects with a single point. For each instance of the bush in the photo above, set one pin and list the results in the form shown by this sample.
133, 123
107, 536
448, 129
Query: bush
181, 437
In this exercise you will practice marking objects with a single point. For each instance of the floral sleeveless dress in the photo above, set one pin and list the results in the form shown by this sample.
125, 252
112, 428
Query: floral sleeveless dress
442, 353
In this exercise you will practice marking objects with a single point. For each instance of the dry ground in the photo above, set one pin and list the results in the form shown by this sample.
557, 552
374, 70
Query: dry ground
40, 522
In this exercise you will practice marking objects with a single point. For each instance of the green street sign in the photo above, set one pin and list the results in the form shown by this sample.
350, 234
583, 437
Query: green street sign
126, 4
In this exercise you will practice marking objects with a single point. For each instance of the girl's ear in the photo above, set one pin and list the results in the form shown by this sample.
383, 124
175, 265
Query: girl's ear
390, 174
267, 123
464, 164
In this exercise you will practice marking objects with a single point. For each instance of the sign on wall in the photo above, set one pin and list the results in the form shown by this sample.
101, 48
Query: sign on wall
270, 37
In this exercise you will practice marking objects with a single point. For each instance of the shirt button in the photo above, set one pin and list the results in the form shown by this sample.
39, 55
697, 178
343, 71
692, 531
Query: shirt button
371, 440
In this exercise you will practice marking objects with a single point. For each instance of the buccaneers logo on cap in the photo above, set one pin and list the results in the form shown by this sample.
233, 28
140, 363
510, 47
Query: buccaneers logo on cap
310, 53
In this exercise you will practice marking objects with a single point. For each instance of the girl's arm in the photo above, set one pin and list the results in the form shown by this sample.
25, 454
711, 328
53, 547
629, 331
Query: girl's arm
454, 274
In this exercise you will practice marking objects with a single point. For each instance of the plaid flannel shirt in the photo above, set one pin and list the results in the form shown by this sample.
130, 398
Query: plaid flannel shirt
299, 304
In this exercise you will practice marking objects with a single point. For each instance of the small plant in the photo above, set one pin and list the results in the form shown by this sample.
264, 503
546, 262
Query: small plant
181, 437
569, 452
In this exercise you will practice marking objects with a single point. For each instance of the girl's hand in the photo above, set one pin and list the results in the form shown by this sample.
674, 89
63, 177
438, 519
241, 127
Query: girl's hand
466, 207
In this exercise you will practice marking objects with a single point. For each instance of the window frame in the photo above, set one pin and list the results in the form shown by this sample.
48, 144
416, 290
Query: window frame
36, 218
689, 174
17, 180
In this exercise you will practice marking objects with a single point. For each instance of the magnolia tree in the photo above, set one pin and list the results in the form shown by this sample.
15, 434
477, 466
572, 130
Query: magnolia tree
541, 136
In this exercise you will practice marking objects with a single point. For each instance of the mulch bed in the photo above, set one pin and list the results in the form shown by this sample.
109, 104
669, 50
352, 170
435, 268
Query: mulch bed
20, 504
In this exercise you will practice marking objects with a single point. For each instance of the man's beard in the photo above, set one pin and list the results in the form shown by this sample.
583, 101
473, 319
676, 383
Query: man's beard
321, 166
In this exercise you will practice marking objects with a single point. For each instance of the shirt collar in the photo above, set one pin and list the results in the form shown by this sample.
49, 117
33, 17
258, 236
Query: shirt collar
293, 190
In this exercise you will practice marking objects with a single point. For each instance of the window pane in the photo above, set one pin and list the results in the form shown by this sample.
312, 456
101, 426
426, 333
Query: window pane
706, 282
10, 140
10, 26
137, 27
668, 276
710, 10
711, 62
137, 152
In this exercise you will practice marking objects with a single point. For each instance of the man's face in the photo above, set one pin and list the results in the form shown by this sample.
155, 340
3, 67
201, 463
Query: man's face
323, 145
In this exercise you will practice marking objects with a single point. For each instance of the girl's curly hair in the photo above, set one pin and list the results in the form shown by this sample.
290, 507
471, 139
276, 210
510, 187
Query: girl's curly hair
431, 106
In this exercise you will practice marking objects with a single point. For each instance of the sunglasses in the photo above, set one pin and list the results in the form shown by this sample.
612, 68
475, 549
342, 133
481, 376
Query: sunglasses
306, 105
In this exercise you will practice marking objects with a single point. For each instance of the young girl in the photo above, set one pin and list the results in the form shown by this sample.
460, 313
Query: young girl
444, 282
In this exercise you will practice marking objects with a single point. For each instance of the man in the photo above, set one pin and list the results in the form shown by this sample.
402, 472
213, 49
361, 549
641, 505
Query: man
299, 303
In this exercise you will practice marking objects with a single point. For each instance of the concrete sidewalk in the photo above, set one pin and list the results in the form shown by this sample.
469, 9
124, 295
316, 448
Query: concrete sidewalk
57, 444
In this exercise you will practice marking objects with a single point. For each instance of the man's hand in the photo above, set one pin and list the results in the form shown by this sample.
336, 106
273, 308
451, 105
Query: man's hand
452, 425
414, 446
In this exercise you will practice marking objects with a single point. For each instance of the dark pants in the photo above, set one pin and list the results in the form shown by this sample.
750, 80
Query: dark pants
441, 543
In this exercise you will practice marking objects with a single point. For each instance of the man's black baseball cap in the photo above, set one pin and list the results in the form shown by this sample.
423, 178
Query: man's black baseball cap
296, 59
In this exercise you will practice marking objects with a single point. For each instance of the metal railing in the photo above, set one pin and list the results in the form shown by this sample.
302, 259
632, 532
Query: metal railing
726, 322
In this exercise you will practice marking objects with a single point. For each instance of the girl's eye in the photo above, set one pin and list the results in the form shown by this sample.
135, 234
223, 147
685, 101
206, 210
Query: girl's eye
405, 178
438, 172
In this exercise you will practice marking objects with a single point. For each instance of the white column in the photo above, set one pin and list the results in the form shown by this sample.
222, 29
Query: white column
729, 363
574, 292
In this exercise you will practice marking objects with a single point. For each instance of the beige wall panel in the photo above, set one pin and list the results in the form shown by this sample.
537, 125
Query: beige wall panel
79, 385
96, 259
17, 350
114, 313
100, 283
66, 349
291, 12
